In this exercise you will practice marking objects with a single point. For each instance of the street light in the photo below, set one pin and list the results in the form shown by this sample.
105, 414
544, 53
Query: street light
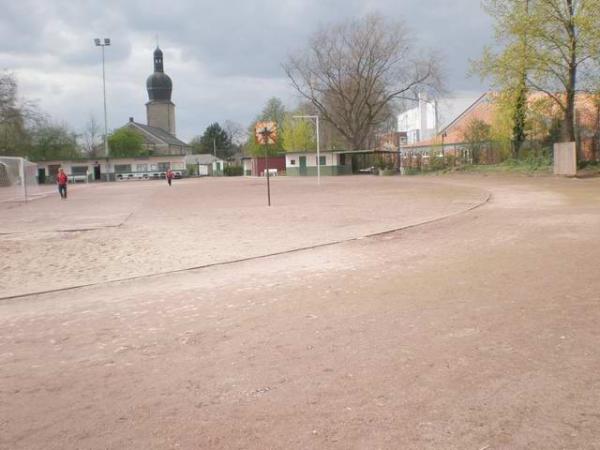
104, 43
318, 145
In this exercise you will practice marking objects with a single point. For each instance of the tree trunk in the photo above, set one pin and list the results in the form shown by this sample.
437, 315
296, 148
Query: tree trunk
520, 112
596, 146
568, 131
519, 119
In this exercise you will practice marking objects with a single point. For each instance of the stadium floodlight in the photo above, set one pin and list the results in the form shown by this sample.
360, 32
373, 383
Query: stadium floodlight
318, 146
106, 43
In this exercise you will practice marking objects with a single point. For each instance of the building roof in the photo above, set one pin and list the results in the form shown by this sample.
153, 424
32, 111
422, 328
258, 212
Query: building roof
201, 158
482, 109
158, 133
103, 159
479, 108
159, 84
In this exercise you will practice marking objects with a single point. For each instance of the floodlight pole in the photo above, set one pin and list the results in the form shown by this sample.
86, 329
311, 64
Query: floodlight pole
318, 145
104, 95
104, 43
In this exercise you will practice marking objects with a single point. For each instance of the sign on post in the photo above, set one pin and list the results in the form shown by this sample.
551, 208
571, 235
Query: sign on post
266, 134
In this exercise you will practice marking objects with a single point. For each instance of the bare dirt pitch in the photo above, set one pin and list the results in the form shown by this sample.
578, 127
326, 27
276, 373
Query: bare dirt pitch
479, 330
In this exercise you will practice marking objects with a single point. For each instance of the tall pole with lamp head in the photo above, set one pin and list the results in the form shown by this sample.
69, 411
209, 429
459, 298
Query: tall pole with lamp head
104, 43
318, 144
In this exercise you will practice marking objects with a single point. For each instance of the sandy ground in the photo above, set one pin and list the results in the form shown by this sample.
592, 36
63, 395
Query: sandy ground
128, 229
479, 331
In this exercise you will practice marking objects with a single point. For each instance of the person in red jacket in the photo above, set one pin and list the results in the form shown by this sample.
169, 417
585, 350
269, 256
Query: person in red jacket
62, 180
169, 176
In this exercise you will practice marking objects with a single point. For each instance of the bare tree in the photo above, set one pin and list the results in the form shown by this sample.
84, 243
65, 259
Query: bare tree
236, 132
18, 118
353, 72
91, 138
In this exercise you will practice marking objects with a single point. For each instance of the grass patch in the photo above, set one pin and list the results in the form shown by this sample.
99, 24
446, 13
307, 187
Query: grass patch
529, 166
534, 165
588, 169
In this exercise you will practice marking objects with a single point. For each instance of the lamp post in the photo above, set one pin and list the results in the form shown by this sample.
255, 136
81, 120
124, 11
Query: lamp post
104, 43
318, 145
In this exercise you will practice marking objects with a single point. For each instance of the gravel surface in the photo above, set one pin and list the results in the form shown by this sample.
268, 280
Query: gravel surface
130, 229
479, 331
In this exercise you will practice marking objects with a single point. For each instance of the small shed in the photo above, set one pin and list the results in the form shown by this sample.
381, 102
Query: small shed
255, 166
330, 162
111, 169
204, 164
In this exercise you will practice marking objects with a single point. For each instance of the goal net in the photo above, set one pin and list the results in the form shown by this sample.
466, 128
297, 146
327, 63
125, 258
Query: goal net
18, 179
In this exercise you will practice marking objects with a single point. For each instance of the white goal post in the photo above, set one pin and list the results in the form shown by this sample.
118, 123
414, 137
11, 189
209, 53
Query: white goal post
18, 179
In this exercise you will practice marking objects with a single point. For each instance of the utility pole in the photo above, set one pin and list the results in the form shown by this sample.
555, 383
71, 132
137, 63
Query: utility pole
318, 145
104, 43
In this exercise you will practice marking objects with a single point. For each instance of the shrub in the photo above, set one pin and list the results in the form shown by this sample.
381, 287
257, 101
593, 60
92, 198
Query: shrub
411, 171
436, 162
192, 170
233, 171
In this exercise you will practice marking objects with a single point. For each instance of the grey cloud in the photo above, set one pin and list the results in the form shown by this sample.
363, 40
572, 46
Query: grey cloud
224, 57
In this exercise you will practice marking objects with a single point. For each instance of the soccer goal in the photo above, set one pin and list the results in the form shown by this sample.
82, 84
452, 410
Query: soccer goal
18, 179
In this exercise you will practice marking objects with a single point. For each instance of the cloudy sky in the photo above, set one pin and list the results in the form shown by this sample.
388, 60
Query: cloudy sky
224, 56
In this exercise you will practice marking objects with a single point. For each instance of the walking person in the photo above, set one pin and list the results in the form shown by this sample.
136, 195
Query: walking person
169, 176
62, 180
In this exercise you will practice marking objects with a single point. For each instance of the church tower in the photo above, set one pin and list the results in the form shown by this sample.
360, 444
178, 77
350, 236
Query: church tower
160, 110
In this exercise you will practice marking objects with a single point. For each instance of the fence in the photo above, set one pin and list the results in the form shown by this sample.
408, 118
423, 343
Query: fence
452, 156
18, 180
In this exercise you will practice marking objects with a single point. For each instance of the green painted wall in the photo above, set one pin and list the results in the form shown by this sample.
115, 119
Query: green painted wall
325, 171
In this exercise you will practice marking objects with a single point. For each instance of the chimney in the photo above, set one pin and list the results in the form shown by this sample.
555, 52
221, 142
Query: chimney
131, 119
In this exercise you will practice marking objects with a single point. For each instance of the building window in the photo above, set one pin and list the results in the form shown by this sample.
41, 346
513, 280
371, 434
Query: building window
53, 169
78, 170
163, 166
322, 160
292, 162
342, 160
122, 168
141, 168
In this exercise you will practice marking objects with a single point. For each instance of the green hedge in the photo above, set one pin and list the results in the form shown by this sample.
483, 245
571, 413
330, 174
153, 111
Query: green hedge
233, 171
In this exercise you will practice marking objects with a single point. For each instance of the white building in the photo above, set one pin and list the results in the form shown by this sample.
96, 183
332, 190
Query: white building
419, 123
139, 168
204, 164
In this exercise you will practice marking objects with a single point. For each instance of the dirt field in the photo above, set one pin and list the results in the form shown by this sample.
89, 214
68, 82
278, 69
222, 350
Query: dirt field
474, 326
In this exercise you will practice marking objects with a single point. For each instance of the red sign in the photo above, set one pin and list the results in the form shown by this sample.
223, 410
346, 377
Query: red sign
266, 133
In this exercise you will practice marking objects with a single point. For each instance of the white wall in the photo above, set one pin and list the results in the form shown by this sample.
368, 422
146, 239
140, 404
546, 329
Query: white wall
419, 123
331, 159
247, 163
177, 163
